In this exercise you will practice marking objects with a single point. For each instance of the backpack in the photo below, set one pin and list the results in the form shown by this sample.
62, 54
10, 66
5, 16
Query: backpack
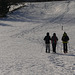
54, 39
65, 38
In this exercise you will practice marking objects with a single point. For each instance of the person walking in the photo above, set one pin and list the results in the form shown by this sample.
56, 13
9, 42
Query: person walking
54, 40
65, 39
47, 39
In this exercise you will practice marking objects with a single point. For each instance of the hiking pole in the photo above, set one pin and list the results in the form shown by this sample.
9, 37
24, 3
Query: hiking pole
57, 47
68, 46
61, 46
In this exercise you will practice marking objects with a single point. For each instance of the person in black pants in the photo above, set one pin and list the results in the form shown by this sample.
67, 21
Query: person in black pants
47, 39
65, 40
54, 40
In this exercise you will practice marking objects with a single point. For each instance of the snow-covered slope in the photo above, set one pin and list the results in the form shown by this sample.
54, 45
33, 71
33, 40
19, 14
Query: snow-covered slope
22, 49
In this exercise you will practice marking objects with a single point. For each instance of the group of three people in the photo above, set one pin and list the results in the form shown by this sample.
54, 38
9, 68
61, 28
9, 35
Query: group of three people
54, 40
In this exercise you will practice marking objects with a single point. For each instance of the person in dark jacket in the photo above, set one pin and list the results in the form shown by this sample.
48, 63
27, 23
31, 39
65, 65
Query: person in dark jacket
47, 39
65, 40
54, 40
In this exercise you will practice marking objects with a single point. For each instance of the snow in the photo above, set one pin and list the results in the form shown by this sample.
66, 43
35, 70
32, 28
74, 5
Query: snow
22, 48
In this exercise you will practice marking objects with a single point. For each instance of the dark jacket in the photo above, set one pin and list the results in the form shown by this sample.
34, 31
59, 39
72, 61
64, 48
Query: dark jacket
47, 39
65, 38
54, 38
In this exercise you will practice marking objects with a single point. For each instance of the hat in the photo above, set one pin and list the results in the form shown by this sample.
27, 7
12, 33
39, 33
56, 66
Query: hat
54, 34
64, 34
47, 33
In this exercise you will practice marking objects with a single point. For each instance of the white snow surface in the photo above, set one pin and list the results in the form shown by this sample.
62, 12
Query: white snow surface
22, 48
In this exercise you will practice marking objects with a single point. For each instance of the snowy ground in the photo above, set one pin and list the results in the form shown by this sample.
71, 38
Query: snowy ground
22, 49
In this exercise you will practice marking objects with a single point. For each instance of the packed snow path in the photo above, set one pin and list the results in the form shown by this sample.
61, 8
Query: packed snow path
22, 49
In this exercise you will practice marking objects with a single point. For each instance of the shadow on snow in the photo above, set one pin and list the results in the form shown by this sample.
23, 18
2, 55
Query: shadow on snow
2, 24
22, 15
67, 54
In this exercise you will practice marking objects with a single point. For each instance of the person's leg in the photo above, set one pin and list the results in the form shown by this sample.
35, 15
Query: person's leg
53, 47
48, 48
66, 49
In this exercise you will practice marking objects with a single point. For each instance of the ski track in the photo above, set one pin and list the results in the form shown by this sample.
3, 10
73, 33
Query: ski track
42, 64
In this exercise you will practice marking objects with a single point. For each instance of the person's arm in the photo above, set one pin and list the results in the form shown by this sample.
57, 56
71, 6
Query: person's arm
44, 38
